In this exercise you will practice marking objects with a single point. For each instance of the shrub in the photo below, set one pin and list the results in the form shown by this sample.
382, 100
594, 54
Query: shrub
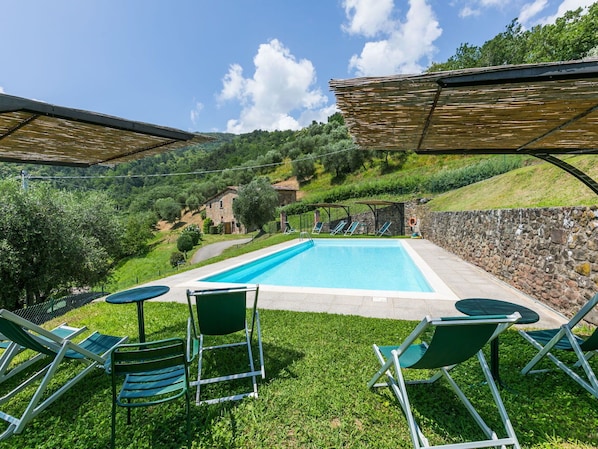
176, 259
184, 243
193, 231
207, 224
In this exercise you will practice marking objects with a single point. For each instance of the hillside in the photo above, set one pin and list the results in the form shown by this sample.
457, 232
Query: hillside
537, 185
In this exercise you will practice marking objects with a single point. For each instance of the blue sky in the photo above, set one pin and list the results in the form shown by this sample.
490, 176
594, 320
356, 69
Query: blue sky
234, 65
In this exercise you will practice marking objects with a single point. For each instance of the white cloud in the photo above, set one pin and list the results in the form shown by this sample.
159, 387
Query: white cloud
530, 10
406, 43
469, 12
280, 86
1, 90
195, 113
488, 3
368, 17
564, 6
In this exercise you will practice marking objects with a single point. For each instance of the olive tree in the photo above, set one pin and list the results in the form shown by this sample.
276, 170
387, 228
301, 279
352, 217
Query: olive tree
51, 240
256, 204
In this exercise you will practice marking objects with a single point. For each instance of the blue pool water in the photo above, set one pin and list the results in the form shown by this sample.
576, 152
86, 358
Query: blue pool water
362, 264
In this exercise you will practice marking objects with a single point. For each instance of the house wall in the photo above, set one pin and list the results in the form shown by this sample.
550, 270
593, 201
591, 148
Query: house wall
220, 210
550, 254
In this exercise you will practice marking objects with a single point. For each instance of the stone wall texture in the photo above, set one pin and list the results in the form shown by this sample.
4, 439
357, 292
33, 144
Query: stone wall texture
551, 254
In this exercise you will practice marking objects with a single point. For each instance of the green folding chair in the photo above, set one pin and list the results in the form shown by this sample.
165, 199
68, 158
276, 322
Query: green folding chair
10, 366
219, 313
148, 374
91, 353
455, 340
549, 341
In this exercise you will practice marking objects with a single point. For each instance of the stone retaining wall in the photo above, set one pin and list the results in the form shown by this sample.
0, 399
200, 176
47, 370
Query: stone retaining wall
550, 254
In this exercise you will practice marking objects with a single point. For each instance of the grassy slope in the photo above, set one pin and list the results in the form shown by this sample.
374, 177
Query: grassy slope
538, 185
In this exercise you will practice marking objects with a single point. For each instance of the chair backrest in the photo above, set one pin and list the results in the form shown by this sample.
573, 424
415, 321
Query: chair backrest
20, 336
590, 343
451, 345
221, 311
580, 315
152, 356
457, 339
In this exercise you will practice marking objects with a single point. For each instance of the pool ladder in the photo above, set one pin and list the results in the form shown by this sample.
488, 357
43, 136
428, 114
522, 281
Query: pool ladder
305, 236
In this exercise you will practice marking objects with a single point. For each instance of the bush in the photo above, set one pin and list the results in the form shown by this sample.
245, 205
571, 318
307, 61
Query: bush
207, 224
193, 231
176, 259
184, 243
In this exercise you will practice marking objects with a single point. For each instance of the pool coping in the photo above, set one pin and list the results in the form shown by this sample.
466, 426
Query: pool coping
463, 280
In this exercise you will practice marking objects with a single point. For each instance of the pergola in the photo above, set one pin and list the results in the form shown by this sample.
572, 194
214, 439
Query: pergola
538, 109
329, 206
41, 133
373, 205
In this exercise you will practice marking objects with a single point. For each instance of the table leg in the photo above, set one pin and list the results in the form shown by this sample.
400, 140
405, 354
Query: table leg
141, 321
494, 360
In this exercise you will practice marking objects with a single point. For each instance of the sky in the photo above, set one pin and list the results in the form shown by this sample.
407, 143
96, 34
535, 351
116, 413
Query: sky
234, 65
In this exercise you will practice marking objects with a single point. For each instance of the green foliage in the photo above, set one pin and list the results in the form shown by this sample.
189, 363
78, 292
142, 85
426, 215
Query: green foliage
453, 179
193, 202
193, 231
176, 259
184, 243
412, 184
138, 231
168, 209
50, 241
206, 225
304, 168
256, 204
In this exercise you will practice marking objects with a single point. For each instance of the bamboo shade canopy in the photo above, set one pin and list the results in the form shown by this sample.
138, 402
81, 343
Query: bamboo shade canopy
37, 132
538, 109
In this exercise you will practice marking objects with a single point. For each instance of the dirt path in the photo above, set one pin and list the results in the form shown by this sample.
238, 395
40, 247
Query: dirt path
215, 249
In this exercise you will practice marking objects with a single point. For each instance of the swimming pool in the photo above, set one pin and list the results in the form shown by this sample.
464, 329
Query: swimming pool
377, 266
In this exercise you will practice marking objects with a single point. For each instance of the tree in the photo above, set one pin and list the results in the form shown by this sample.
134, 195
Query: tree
193, 203
184, 243
168, 209
256, 204
51, 241
304, 168
138, 230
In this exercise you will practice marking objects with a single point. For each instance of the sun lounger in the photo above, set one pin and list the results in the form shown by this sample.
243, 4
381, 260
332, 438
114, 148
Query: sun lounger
384, 229
454, 340
352, 227
550, 342
91, 353
339, 227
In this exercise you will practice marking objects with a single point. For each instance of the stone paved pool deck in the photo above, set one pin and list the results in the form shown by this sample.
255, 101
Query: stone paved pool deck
463, 280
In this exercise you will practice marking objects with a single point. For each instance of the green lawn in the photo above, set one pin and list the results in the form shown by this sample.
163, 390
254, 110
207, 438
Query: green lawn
315, 394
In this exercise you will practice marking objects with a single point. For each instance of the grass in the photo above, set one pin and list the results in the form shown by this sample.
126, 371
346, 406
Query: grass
537, 185
156, 263
315, 393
